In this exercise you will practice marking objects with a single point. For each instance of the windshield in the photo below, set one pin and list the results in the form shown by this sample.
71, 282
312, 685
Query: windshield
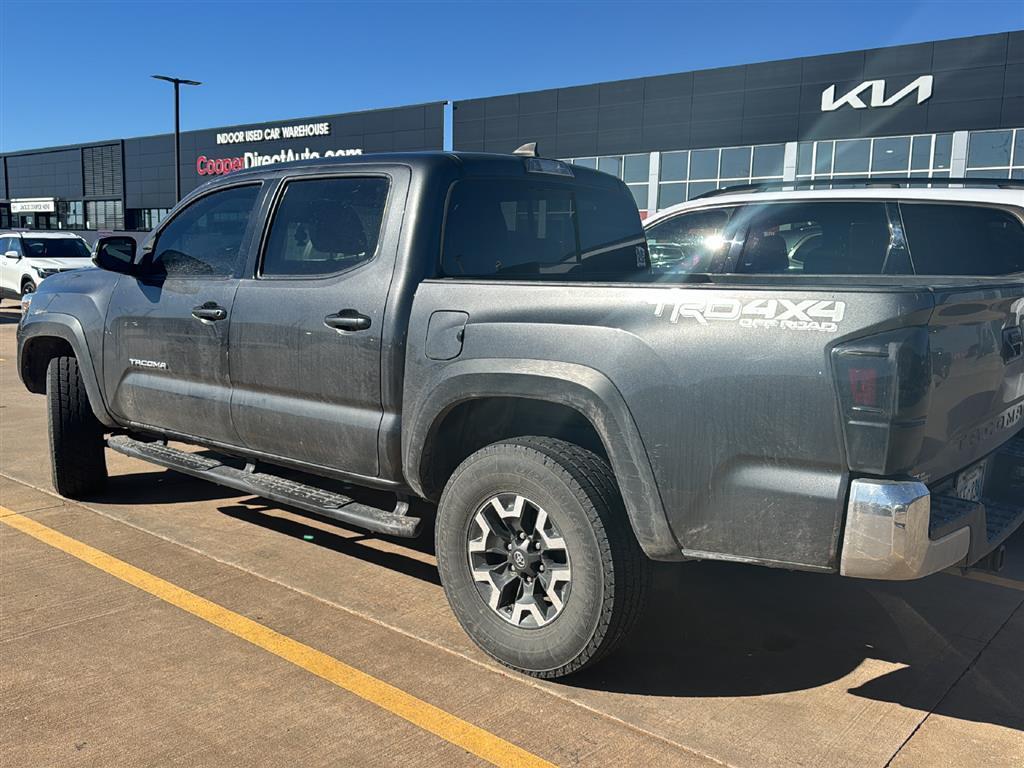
55, 248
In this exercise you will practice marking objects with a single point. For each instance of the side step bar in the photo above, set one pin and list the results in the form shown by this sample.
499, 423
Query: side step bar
307, 497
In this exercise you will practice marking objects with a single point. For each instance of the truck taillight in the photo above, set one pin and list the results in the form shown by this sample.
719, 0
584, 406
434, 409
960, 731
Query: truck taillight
884, 384
864, 387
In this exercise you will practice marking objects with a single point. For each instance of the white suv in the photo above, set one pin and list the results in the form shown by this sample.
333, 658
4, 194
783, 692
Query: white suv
27, 258
859, 227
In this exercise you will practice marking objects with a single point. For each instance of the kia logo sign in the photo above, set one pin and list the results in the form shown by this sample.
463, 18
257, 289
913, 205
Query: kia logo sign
877, 98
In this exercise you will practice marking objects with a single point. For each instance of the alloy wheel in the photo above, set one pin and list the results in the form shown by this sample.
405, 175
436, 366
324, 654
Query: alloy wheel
519, 561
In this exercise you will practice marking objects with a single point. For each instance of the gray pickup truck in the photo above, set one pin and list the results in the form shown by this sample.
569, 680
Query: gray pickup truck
489, 333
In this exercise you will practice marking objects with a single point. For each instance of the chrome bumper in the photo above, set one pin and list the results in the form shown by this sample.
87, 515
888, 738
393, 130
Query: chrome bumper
886, 533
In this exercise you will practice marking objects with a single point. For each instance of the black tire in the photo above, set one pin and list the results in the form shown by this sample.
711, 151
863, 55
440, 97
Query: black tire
78, 462
609, 571
28, 287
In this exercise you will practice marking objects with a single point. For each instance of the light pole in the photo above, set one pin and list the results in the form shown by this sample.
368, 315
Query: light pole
177, 130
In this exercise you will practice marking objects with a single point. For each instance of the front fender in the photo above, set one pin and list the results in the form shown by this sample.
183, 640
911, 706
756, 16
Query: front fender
579, 387
51, 325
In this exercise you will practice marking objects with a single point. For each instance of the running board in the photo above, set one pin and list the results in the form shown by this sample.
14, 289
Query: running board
306, 497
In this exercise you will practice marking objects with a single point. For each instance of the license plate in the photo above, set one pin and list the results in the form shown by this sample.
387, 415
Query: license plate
970, 483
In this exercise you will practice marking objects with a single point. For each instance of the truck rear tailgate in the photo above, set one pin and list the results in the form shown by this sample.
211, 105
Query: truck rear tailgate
972, 456
977, 392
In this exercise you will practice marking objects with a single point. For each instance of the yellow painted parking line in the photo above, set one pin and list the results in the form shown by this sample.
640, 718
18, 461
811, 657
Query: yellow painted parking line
469, 737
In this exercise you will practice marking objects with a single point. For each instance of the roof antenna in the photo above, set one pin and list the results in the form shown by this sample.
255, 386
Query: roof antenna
528, 150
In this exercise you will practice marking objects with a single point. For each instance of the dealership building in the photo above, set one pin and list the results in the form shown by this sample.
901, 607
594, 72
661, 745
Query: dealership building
937, 109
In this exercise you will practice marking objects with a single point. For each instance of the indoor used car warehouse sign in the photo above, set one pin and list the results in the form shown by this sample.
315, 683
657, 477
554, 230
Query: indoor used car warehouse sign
299, 131
218, 166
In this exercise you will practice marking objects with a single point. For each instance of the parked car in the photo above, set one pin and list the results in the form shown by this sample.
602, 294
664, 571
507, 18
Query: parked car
780, 228
487, 332
27, 258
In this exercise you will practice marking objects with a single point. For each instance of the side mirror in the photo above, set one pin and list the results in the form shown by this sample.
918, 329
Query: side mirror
13, 255
115, 254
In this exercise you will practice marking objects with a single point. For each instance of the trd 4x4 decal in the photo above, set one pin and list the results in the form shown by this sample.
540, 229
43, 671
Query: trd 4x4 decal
782, 314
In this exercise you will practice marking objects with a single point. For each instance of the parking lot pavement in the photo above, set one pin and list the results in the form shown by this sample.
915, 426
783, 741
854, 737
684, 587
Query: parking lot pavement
734, 665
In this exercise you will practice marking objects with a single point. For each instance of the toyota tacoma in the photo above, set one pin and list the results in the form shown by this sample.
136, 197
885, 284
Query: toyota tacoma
837, 390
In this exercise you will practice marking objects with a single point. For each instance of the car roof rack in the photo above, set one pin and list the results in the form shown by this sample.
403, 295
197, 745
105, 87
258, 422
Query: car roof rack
862, 181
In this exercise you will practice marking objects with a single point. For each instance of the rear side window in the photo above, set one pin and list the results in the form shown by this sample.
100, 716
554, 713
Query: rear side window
690, 242
814, 239
963, 240
325, 226
205, 239
532, 230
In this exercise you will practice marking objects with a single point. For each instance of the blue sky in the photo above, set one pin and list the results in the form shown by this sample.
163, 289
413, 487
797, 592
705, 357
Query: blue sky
79, 71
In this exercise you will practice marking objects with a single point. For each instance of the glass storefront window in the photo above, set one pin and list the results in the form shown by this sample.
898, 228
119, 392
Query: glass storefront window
674, 166
989, 173
704, 164
921, 155
852, 156
72, 214
640, 195
1018, 148
823, 157
735, 163
891, 154
943, 151
671, 194
611, 164
989, 149
769, 160
636, 168
699, 188
104, 214
586, 162
805, 158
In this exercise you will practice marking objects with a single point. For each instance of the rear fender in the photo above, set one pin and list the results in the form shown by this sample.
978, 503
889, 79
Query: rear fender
583, 389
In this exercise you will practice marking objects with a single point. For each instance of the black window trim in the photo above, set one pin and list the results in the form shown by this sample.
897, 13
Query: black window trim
149, 246
278, 197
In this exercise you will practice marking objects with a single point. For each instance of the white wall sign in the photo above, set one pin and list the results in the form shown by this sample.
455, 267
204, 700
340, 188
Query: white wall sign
34, 205
829, 102
298, 131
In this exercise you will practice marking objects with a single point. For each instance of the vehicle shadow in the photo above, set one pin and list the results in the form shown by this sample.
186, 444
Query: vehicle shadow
728, 630
715, 629
158, 487
9, 315
258, 512
165, 486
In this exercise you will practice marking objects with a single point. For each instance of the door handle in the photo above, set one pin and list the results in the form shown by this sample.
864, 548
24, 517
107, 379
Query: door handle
347, 320
209, 311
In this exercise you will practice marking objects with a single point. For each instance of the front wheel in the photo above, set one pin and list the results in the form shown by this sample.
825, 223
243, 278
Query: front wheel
78, 463
27, 287
537, 556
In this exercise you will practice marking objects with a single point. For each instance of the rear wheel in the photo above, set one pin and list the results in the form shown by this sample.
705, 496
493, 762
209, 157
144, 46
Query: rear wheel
537, 556
78, 463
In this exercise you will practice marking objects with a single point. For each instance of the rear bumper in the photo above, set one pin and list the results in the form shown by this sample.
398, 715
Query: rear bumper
903, 530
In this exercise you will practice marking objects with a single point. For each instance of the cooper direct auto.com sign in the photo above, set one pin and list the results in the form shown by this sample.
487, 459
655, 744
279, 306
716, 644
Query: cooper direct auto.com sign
218, 166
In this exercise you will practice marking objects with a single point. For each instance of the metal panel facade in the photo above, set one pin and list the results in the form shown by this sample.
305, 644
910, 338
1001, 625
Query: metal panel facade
977, 82
46, 174
149, 180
